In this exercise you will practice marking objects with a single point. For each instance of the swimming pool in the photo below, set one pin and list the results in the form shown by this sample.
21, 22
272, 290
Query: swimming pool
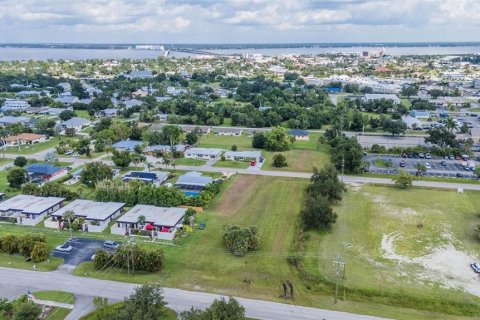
191, 193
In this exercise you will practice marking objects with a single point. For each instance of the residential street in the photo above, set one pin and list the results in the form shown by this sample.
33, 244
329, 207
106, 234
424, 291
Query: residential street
22, 280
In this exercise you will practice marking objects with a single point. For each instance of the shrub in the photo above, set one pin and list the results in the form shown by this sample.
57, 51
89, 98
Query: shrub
39, 252
240, 241
20, 161
279, 160
10, 244
101, 259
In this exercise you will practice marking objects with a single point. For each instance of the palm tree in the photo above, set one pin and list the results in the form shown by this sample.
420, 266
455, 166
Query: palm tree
450, 124
69, 216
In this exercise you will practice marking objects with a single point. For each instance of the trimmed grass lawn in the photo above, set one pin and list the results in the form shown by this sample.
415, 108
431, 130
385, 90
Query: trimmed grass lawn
301, 158
34, 148
18, 262
171, 315
212, 140
189, 162
53, 295
232, 164
5, 161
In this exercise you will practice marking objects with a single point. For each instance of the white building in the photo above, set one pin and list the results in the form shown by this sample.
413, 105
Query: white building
15, 104
203, 153
29, 210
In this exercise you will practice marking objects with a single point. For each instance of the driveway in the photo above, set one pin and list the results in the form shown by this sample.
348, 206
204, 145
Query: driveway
83, 250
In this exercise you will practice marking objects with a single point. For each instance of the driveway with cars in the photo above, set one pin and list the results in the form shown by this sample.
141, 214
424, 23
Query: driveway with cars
83, 250
450, 169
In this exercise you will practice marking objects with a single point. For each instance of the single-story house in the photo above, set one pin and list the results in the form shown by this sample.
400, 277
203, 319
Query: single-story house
243, 155
298, 134
162, 117
24, 138
165, 148
13, 120
15, 104
203, 153
162, 222
380, 96
44, 172
193, 181
420, 114
228, 132
76, 123
132, 103
97, 215
138, 74
203, 129
29, 210
67, 100
156, 178
107, 113
127, 145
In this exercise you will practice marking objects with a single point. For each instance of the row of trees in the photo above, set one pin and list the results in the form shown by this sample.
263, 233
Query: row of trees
129, 257
50, 190
324, 191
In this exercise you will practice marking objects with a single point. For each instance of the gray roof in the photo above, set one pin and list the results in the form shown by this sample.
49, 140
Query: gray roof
91, 210
243, 154
165, 148
193, 178
379, 96
159, 216
30, 204
75, 122
204, 151
10, 119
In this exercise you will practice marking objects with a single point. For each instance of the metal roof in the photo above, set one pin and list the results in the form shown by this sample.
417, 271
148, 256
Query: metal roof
91, 210
159, 216
30, 204
43, 168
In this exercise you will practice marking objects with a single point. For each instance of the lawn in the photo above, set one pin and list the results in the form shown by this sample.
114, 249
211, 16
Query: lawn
5, 161
189, 162
34, 148
399, 246
212, 140
4, 185
232, 164
58, 296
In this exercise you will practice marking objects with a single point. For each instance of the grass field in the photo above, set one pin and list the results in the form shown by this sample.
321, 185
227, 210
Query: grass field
5, 161
58, 296
390, 258
189, 162
212, 140
34, 148
232, 164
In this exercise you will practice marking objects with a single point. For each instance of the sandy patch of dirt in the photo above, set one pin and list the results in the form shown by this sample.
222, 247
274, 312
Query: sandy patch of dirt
238, 194
446, 265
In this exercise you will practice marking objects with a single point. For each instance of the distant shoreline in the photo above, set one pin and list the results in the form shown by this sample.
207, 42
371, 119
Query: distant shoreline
238, 46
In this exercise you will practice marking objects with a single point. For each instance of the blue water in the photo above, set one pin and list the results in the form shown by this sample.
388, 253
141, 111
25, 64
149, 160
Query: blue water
191, 193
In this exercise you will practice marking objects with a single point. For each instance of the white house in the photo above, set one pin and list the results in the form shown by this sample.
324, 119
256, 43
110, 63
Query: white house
228, 132
76, 123
97, 215
243, 155
29, 210
203, 153
15, 104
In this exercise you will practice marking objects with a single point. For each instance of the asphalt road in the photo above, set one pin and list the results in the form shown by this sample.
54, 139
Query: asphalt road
178, 300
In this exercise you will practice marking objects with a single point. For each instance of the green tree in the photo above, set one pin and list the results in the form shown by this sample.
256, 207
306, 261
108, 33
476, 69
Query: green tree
172, 133
234, 148
403, 179
258, 140
69, 216
441, 137
421, 168
121, 158
317, 212
476, 171
279, 160
20, 161
101, 305
27, 311
326, 182
191, 138
277, 140
450, 124
145, 303
219, 310
67, 115
240, 241
94, 172
16, 177
347, 153
40, 252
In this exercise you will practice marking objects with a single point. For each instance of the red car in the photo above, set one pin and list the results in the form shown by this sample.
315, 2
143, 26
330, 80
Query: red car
253, 163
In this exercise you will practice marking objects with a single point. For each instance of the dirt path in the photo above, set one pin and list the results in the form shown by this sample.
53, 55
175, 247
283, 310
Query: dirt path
238, 194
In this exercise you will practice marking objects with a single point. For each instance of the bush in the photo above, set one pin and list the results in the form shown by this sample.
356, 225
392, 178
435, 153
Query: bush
16, 177
279, 160
40, 252
20, 161
143, 260
101, 259
240, 241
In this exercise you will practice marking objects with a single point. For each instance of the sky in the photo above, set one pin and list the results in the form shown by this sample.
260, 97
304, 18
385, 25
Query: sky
238, 21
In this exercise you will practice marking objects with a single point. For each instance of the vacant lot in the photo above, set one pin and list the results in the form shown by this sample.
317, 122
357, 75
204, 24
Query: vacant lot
402, 246
212, 140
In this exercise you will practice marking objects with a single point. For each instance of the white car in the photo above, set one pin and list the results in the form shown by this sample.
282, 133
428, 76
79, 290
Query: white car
64, 247
111, 244
428, 165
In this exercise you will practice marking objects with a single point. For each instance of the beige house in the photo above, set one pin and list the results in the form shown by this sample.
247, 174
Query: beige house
25, 138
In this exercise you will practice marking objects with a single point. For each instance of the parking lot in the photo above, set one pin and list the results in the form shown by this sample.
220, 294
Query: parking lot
450, 169
82, 250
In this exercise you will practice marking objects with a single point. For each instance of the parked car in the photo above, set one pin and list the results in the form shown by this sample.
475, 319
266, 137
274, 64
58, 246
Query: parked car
428, 156
451, 157
111, 244
403, 155
428, 165
460, 175
402, 164
443, 163
476, 267
421, 155
65, 247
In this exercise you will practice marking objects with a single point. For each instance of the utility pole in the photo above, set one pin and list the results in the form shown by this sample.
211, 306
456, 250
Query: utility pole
343, 166
339, 263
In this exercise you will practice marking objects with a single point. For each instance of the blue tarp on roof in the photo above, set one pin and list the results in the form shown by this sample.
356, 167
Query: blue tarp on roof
42, 168
298, 132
